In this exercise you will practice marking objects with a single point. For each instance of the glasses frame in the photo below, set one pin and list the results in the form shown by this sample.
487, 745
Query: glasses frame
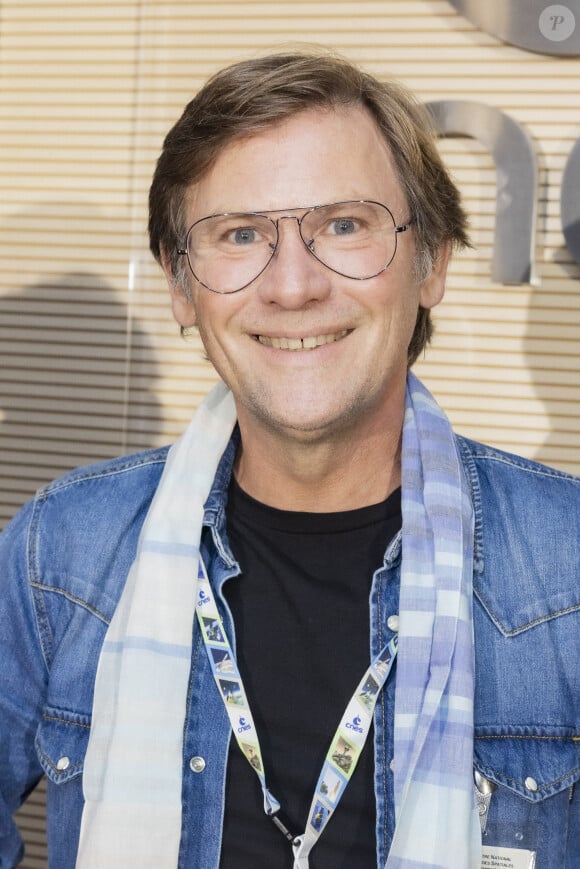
285, 215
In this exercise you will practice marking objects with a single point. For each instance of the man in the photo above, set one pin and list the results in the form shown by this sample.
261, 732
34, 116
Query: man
283, 607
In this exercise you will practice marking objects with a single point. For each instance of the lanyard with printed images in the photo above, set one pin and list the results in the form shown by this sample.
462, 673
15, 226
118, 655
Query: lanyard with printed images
346, 745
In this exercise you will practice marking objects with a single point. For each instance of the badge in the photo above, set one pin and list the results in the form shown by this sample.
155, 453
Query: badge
507, 858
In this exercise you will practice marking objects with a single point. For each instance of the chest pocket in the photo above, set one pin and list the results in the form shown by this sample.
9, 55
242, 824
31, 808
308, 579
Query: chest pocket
61, 744
534, 804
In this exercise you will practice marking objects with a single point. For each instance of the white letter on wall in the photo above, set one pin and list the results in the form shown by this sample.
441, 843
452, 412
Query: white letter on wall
517, 181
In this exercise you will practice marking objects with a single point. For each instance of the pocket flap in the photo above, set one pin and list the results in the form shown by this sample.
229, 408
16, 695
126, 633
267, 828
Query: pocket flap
61, 743
535, 766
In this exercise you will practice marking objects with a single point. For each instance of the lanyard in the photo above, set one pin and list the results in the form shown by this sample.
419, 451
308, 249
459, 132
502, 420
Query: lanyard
347, 743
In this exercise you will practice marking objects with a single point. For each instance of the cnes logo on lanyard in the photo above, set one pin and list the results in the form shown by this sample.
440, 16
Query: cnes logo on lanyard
345, 747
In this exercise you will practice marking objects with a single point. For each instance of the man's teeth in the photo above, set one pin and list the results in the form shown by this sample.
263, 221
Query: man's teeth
301, 343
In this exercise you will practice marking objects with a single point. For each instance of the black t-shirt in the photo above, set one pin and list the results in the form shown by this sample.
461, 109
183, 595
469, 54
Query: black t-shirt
301, 617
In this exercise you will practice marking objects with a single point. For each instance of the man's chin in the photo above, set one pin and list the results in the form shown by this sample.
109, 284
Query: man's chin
302, 425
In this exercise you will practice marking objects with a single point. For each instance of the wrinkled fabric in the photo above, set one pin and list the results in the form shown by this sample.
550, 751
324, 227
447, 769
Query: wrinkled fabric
132, 777
63, 566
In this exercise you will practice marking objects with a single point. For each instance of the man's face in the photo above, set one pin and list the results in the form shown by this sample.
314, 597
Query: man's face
357, 377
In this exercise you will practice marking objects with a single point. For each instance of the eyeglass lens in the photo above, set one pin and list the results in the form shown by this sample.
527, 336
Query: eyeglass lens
354, 239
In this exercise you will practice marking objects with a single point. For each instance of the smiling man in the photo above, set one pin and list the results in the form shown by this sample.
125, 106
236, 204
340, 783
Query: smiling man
304, 635
316, 357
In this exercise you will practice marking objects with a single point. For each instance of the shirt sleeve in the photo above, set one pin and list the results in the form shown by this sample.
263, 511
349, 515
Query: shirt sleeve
23, 680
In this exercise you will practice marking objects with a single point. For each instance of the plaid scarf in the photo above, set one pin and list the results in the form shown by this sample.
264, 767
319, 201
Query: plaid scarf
133, 768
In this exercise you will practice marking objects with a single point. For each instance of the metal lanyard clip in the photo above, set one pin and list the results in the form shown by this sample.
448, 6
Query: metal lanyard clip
281, 822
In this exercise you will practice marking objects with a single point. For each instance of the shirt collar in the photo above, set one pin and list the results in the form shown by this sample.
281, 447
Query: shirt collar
214, 510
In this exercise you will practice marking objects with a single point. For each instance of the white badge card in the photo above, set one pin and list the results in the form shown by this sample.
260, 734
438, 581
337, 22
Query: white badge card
507, 858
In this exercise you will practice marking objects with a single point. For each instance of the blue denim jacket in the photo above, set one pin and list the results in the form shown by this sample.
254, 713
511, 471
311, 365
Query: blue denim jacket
63, 563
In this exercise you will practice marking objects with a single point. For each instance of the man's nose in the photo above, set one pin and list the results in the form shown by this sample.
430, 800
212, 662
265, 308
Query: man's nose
294, 277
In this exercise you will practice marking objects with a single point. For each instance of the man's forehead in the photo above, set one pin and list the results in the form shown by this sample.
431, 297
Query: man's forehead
337, 153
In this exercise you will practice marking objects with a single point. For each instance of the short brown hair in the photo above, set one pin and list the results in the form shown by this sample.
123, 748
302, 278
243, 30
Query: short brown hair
252, 95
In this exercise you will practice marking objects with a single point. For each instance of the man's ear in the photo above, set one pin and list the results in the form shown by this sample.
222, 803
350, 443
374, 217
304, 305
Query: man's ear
181, 303
432, 289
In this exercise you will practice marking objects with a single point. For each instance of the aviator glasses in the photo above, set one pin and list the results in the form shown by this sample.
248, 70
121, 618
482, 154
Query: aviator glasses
356, 239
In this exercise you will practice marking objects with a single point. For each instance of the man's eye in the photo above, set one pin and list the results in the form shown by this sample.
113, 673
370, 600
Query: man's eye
343, 226
244, 235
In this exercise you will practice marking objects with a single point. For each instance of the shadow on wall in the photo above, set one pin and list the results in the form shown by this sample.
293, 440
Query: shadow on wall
551, 349
77, 379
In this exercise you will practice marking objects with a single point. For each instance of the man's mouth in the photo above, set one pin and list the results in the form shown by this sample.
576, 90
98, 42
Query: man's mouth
311, 342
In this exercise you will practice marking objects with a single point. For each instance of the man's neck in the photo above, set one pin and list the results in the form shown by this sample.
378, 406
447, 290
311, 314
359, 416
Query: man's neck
320, 476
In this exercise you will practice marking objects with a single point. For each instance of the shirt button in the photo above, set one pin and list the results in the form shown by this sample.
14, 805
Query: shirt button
63, 763
392, 764
197, 764
531, 783
393, 622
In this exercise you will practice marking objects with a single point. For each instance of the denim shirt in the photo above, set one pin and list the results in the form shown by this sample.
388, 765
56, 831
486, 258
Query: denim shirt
64, 560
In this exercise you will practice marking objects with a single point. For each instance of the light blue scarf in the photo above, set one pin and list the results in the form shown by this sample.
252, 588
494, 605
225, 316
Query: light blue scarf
436, 819
133, 768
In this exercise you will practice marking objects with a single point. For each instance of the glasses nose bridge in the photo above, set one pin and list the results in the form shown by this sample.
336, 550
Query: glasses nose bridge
298, 218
